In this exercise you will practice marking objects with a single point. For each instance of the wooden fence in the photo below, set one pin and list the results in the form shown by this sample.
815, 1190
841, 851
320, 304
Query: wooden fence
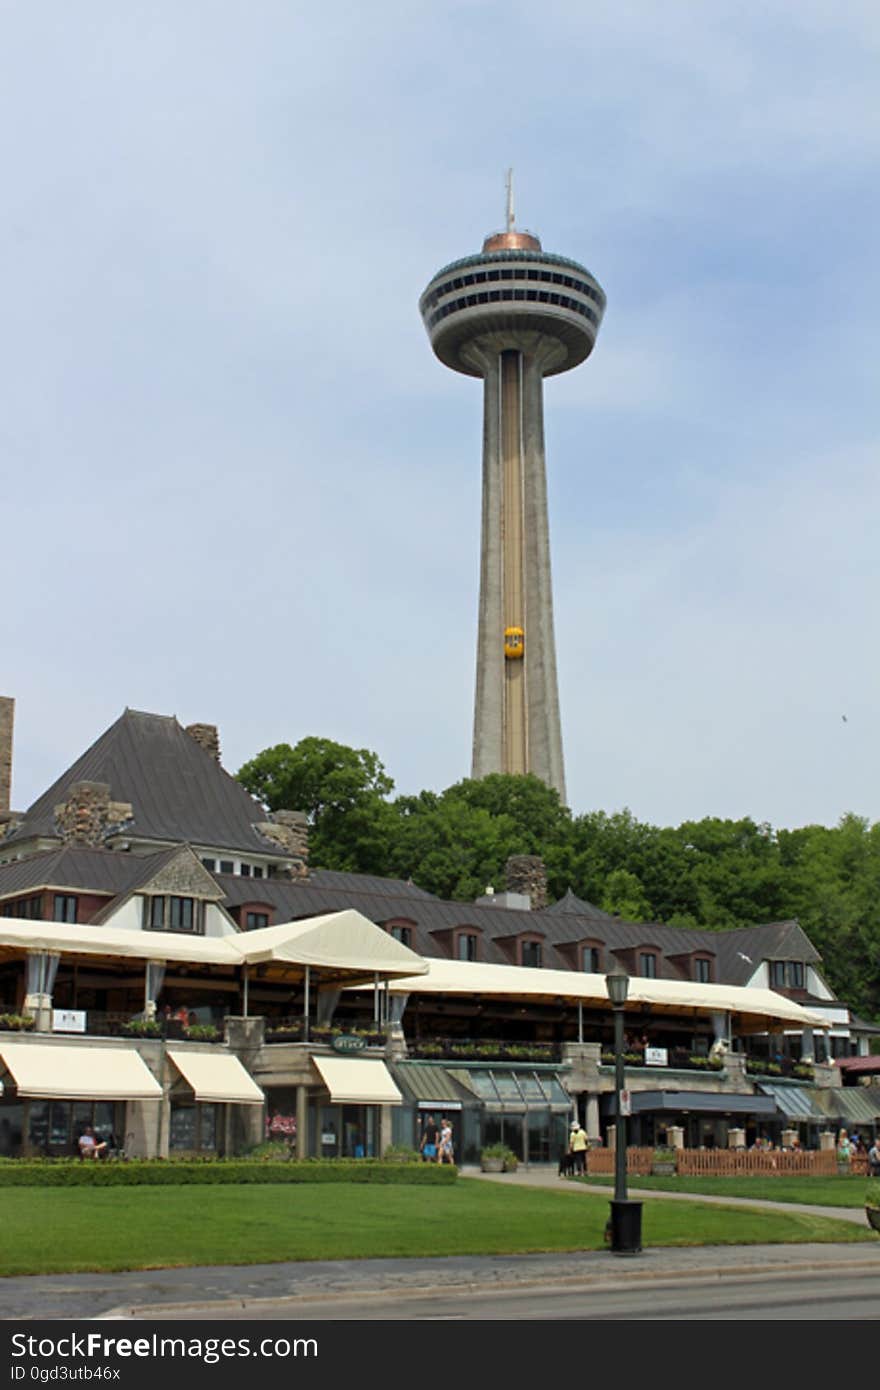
726, 1163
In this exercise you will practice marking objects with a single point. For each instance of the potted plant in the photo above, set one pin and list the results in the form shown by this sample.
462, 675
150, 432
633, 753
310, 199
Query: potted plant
872, 1206
663, 1163
498, 1158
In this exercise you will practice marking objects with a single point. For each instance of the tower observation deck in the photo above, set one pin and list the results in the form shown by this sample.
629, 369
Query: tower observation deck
513, 315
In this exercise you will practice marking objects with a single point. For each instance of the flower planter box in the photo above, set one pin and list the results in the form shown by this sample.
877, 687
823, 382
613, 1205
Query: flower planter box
873, 1215
492, 1165
664, 1169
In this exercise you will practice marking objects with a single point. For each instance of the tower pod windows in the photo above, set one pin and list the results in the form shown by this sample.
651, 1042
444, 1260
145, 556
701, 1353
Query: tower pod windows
514, 643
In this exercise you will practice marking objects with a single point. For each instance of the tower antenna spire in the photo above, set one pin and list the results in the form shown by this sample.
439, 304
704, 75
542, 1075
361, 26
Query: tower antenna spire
510, 214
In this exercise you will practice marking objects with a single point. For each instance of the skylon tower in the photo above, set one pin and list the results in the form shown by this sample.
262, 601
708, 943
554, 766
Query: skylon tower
513, 315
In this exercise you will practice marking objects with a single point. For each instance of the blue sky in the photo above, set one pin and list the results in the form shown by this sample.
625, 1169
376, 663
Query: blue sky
239, 488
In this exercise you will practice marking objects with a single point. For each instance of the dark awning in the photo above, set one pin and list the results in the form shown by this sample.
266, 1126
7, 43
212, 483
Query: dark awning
795, 1102
700, 1102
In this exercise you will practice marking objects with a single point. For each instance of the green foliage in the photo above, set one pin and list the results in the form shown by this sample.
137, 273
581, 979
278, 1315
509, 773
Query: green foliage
16, 1023
142, 1028
158, 1172
507, 1156
202, 1032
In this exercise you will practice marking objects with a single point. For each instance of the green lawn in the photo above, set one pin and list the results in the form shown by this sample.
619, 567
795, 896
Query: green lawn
51, 1230
842, 1191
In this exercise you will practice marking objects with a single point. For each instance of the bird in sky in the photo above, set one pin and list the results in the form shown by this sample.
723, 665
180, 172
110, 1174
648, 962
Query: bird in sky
844, 718
742, 955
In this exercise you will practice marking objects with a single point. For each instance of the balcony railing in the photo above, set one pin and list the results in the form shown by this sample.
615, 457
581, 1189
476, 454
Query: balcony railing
677, 1059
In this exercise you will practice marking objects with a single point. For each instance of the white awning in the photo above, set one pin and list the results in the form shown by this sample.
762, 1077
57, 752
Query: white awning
356, 1081
758, 1007
217, 1077
79, 1073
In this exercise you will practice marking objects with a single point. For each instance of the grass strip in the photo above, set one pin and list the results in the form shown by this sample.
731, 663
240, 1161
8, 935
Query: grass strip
56, 1230
844, 1191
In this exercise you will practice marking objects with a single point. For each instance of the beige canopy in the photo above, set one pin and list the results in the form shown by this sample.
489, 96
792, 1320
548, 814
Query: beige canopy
79, 1072
345, 945
216, 1076
758, 1006
358, 1081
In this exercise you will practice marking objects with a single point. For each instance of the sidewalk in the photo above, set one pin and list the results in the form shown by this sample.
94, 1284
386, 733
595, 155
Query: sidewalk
546, 1176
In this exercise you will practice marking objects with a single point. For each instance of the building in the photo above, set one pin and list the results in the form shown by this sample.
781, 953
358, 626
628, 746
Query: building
512, 315
188, 978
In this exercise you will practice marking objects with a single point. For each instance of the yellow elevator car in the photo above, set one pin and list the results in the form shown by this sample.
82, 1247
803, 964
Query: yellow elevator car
514, 643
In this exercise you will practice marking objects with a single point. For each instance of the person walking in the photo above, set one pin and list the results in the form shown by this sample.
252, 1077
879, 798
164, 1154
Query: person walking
428, 1146
446, 1152
874, 1158
579, 1148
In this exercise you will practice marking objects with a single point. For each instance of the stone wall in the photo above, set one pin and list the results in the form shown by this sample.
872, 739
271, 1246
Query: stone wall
526, 873
7, 715
289, 831
207, 736
88, 815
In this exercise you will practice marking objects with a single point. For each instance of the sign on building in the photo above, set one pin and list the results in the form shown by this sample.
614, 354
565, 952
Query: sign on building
656, 1057
68, 1021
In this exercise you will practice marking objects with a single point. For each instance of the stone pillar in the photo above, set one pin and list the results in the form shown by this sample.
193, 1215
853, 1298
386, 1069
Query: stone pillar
386, 1135
7, 717
736, 1138
594, 1134
302, 1121
207, 736
526, 873
808, 1046
675, 1136
827, 1141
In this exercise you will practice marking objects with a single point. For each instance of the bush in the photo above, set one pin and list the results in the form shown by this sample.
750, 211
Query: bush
142, 1028
201, 1032
401, 1153
179, 1172
501, 1151
270, 1149
16, 1023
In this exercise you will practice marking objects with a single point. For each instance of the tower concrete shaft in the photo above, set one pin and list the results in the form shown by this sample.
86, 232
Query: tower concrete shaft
516, 711
513, 315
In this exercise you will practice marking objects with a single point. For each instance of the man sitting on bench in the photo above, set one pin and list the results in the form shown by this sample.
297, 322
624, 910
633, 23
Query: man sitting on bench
89, 1147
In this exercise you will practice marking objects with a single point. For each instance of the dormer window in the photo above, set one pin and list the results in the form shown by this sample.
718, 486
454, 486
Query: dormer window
591, 960
787, 974
64, 908
530, 954
401, 934
173, 913
466, 946
648, 965
703, 970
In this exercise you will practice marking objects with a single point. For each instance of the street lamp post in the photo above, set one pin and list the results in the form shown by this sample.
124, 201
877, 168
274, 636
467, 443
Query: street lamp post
626, 1216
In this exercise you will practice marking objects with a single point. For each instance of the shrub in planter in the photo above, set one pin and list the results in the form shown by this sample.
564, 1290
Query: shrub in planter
201, 1032
498, 1158
663, 1162
142, 1028
16, 1023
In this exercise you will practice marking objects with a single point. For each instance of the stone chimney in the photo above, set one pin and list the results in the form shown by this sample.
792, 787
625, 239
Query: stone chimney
207, 736
289, 830
7, 716
88, 815
526, 873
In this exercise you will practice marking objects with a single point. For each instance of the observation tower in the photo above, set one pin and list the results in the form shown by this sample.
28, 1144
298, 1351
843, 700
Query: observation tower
513, 315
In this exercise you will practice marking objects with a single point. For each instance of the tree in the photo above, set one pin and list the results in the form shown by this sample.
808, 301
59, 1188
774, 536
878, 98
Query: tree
342, 790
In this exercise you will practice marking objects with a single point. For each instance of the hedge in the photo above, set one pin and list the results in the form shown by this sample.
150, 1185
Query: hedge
178, 1172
